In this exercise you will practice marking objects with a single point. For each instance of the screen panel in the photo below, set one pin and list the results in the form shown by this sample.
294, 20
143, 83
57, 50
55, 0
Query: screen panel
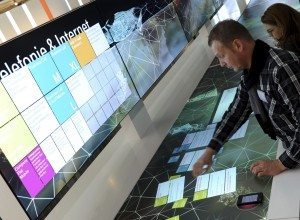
62, 93
121, 18
194, 13
213, 194
148, 51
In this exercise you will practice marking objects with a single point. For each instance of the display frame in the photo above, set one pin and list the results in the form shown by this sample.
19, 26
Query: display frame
108, 135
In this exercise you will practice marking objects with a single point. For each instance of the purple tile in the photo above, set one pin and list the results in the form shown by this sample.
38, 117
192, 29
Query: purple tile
29, 177
41, 165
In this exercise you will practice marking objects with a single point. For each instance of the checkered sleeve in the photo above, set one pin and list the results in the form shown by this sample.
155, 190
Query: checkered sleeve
287, 85
237, 113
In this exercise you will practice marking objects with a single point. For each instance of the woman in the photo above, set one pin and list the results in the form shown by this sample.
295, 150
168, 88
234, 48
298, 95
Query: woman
283, 24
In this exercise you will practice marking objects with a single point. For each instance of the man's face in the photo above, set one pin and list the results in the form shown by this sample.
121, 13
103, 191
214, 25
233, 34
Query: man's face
229, 57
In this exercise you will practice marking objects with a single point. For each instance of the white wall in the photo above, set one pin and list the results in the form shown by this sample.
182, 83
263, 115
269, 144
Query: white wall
57, 8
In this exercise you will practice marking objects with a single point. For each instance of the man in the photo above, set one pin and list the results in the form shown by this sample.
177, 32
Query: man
270, 87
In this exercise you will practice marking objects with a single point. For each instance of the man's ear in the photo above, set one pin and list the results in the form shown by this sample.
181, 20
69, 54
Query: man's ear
237, 45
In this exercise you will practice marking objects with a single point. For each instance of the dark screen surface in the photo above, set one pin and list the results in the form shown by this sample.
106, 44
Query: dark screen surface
149, 199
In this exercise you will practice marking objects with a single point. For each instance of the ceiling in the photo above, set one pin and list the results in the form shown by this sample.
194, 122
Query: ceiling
6, 5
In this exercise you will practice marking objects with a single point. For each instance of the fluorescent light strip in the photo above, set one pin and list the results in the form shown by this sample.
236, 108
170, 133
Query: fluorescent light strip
80, 2
29, 16
13, 22
2, 37
68, 5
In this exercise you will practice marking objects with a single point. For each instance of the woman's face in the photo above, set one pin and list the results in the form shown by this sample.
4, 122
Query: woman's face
274, 31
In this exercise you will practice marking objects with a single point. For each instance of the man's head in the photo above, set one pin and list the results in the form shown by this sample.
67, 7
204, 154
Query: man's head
232, 44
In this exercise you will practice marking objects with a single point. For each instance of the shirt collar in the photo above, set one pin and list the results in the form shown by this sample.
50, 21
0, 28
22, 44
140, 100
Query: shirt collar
259, 57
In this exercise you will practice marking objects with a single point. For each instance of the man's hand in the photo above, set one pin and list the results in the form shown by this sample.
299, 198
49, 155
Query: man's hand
267, 167
204, 160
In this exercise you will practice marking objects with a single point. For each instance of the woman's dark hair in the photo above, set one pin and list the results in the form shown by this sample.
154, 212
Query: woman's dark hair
287, 18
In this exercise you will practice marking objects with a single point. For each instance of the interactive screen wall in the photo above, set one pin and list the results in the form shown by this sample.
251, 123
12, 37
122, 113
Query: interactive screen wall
63, 90
65, 87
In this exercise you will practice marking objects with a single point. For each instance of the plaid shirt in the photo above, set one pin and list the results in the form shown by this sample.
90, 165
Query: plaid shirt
279, 81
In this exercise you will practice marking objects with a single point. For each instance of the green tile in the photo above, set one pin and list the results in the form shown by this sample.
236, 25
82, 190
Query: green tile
200, 195
179, 204
174, 218
161, 201
174, 177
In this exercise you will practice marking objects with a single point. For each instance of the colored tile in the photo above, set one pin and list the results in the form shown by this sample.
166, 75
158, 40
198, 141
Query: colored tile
200, 195
41, 165
53, 155
63, 144
174, 177
174, 218
95, 85
40, 119
109, 92
29, 177
82, 49
94, 104
88, 71
72, 135
96, 66
160, 201
179, 204
176, 150
101, 117
8, 109
86, 111
65, 60
102, 78
62, 103
115, 85
97, 39
93, 124
103, 60
101, 97
81, 126
183, 168
15, 149
22, 88
80, 88
109, 72
184, 147
107, 109
45, 73
114, 103
173, 159
110, 56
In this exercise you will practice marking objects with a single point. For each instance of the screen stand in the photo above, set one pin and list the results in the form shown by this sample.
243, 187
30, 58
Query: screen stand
140, 118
